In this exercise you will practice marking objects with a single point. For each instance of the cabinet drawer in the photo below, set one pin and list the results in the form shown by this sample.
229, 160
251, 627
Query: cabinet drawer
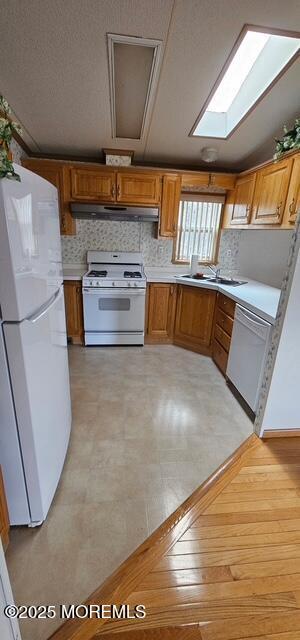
222, 337
226, 304
220, 356
224, 321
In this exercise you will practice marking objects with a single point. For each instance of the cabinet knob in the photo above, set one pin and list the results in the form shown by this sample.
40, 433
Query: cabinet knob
118, 191
113, 191
278, 208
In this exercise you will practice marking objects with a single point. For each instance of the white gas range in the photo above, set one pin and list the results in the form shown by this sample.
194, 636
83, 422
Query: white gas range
114, 293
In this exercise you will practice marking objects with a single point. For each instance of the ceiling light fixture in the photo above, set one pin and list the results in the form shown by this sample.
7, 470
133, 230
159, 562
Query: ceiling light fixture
209, 154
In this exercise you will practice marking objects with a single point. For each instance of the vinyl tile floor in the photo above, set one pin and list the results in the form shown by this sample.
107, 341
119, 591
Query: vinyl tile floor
149, 426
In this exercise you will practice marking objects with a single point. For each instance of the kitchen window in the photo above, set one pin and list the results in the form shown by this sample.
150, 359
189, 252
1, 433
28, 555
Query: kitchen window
198, 228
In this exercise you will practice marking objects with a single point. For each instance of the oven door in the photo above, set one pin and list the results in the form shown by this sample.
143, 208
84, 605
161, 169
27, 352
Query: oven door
114, 310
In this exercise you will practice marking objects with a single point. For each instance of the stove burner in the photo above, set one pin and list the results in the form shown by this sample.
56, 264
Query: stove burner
97, 274
132, 274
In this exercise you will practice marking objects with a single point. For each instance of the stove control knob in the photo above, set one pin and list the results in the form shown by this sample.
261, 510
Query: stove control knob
135, 284
97, 283
113, 284
91, 283
128, 284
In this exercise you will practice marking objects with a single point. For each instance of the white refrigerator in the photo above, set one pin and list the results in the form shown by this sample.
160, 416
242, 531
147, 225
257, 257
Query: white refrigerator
35, 407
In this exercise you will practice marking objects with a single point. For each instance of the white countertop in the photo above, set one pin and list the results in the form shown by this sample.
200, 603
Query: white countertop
255, 296
74, 272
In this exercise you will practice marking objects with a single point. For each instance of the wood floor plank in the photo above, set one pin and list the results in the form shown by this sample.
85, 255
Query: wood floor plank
252, 626
259, 505
239, 487
263, 569
289, 635
227, 558
261, 494
270, 468
235, 542
220, 519
230, 530
264, 476
164, 579
200, 593
224, 611
190, 632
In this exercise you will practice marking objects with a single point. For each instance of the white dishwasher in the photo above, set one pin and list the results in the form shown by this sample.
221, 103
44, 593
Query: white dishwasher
247, 355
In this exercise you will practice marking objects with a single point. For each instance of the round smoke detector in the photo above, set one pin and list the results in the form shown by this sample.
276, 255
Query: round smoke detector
209, 154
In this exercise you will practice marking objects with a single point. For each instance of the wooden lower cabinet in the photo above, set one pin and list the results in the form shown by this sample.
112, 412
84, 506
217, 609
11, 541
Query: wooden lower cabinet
223, 326
74, 311
194, 318
4, 519
161, 304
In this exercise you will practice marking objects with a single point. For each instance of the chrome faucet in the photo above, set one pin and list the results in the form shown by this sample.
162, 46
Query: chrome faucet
216, 272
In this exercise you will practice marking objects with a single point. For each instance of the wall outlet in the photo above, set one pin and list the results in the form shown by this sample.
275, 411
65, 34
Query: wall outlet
160, 250
228, 253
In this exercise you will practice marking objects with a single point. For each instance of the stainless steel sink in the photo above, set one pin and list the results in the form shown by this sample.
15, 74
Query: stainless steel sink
217, 279
229, 281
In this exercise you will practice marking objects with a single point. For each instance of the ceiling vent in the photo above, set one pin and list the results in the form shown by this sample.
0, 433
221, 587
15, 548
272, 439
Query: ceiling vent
133, 74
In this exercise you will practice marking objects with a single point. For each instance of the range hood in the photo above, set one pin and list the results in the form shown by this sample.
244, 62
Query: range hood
88, 211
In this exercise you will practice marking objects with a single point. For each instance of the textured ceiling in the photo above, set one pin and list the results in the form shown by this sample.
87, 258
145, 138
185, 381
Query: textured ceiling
56, 74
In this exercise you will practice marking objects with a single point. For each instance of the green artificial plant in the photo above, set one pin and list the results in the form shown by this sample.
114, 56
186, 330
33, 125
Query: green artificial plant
7, 128
290, 140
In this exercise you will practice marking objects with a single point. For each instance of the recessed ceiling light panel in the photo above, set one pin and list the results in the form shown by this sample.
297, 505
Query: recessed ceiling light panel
257, 61
133, 74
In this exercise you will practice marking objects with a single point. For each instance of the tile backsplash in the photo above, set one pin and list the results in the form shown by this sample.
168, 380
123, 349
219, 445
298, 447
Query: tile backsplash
136, 236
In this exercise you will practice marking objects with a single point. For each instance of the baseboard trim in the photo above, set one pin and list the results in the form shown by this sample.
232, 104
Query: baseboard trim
280, 433
126, 578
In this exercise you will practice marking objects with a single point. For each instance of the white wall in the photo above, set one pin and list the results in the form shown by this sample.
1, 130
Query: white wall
282, 410
263, 255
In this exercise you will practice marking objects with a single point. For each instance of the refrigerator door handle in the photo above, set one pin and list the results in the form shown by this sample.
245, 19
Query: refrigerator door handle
46, 307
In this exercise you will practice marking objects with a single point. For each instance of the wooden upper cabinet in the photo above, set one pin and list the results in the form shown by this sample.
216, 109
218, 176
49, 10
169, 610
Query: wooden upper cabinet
170, 205
58, 174
293, 198
93, 184
161, 312
138, 188
222, 180
271, 192
193, 181
194, 318
243, 199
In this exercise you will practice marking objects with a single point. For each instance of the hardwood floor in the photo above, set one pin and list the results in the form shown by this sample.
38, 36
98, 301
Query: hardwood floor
226, 566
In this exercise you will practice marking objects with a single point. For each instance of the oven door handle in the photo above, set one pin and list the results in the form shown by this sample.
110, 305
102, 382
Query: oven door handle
114, 292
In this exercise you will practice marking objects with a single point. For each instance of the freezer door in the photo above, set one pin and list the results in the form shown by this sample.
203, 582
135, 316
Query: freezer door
10, 453
38, 364
30, 250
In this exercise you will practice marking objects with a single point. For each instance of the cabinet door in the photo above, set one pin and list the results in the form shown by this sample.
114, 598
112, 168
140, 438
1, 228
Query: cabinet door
194, 318
4, 520
170, 205
74, 311
57, 174
271, 192
243, 198
93, 184
293, 198
138, 188
161, 312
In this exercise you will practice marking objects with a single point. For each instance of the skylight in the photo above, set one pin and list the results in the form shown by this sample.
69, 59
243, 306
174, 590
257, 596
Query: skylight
258, 60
